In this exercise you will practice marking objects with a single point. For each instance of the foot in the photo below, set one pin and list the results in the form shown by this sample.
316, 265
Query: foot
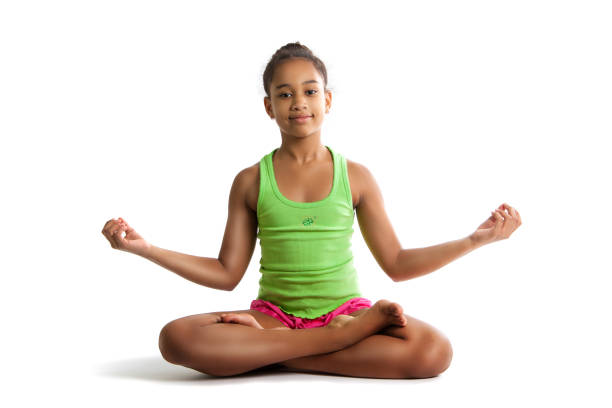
340, 321
240, 318
393, 312
382, 314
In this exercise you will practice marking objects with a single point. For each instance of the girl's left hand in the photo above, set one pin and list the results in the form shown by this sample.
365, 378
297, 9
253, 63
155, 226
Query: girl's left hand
500, 225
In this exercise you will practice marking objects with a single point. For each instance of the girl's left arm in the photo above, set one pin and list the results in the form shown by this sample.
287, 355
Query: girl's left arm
403, 264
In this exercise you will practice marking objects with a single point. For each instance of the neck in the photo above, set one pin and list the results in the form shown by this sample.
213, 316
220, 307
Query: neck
301, 151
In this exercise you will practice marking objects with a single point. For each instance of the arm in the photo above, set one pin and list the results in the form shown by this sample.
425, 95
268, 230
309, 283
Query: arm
201, 270
224, 272
403, 264
412, 263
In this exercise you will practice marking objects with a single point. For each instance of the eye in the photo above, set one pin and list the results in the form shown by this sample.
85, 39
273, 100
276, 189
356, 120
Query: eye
284, 93
314, 91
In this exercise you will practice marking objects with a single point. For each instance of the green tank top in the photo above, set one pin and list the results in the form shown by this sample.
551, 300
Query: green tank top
306, 259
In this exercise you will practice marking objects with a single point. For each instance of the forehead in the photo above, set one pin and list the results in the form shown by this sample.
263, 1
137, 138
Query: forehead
294, 71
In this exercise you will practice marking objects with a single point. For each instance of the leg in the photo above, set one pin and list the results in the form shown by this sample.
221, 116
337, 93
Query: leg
416, 350
206, 343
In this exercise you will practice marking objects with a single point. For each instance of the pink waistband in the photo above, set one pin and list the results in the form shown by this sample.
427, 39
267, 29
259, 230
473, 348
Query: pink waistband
295, 322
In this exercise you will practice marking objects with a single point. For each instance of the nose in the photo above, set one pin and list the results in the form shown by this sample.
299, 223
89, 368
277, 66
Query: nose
298, 103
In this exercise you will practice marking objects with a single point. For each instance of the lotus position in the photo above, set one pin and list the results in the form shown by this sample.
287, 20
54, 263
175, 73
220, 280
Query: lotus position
300, 200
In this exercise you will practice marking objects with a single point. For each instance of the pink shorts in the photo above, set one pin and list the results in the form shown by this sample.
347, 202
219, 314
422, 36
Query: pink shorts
294, 322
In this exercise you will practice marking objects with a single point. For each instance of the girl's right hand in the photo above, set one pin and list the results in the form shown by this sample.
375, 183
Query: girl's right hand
132, 242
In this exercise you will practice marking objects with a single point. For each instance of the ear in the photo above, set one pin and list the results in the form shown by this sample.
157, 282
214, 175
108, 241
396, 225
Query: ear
268, 106
328, 100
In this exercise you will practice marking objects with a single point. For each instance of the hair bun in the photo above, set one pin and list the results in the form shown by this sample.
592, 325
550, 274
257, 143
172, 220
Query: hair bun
289, 51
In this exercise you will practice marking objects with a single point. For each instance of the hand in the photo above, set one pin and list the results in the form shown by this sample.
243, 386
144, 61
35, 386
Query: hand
132, 242
500, 225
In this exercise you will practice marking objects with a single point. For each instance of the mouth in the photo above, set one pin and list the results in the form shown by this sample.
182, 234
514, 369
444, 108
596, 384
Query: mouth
300, 117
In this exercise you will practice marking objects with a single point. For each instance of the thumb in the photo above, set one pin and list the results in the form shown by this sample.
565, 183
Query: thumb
499, 221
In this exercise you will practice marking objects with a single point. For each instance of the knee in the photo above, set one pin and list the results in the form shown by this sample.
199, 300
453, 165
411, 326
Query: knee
431, 357
172, 341
439, 358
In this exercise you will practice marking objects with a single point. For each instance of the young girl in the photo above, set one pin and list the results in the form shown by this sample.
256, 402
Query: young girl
300, 201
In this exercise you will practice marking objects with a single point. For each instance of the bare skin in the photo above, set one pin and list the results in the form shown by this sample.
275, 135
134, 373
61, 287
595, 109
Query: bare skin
210, 344
413, 350
369, 343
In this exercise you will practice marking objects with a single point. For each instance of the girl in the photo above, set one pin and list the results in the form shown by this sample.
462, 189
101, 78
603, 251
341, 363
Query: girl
300, 201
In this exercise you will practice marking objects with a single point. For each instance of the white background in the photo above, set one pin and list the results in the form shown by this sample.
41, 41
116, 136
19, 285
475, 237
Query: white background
147, 110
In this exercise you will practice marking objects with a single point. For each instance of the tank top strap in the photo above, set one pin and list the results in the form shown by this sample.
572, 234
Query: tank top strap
345, 187
265, 189
341, 190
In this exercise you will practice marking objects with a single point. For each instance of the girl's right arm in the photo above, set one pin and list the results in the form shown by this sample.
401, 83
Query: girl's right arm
224, 272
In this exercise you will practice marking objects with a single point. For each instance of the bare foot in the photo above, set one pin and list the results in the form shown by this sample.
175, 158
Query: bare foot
240, 318
393, 312
382, 314
340, 320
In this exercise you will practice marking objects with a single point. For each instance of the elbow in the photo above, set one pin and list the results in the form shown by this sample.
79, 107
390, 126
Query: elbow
391, 270
224, 285
399, 279
391, 274
229, 286
228, 280
398, 275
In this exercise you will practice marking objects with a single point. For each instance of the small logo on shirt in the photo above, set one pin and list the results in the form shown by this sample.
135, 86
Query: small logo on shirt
308, 221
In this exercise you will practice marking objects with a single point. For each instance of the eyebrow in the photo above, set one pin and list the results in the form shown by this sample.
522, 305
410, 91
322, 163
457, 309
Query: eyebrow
303, 83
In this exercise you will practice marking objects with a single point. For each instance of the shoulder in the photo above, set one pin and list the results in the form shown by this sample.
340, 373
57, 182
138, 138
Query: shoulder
246, 185
361, 180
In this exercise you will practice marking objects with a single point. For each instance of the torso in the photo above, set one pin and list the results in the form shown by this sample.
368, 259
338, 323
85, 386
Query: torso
306, 185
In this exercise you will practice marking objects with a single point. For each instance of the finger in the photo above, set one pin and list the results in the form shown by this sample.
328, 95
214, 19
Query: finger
501, 216
107, 225
115, 227
112, 239
109, 237
117, 235
507, 211
128, 229
500, 224
515, 214
512, 211
505, 208
496, 216
108, 231
112, 225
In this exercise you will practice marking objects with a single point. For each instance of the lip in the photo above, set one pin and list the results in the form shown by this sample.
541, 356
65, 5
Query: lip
300, 119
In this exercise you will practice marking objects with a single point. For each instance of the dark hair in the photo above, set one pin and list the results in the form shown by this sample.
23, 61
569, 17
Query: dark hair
290, 51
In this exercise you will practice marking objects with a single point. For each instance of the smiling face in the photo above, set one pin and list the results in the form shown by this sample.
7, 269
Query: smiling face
298, 100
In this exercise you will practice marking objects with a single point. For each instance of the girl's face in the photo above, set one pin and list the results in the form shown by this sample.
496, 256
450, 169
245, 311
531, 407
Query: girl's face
298, 100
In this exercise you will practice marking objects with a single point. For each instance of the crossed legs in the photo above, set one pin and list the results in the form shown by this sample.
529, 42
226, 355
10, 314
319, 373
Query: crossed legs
416, 350
379, 342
